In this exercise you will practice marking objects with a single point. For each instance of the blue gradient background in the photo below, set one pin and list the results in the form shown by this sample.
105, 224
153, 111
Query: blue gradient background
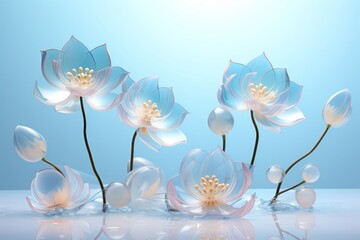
189, 43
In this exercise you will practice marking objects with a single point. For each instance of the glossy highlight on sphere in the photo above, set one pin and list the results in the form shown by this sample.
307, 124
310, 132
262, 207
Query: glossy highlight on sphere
310, 173
118, 195
29, 144
220, 121
305, 197
275, 174
338, 109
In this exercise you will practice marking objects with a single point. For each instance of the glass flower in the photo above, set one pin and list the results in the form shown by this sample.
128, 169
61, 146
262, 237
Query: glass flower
144, 188
337, 110
263, 89
52, 193
220, 121
75, 72
153, 111
29, 144
211, 184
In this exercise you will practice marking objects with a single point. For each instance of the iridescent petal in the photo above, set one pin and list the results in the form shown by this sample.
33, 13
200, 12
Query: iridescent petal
238, 212
294, 95
83, 197
75, 181
69, 106
338, 108
168, 138
127, 84
172, 120
229, 101
243, 182
145, 182
260, 65
47, 58
140, 162
36, 206
75, 54
145, 137
265, 122
164, 99
107, 79
288, 117
127, 118
234, 69
101, 57
276, 80
103, 102
50, 96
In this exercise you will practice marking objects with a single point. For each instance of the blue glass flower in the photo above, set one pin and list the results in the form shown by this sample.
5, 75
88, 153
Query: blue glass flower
153, 111
263, 89
75, 72
211, 184
53, 193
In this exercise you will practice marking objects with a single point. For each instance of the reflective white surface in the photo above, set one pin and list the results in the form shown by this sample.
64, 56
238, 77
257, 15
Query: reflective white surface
335, 215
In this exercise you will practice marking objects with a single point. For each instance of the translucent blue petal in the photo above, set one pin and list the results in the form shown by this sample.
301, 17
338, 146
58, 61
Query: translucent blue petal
127, 84
235, 69
219, 164
266, 123
276, 80
288, 117
171, 121
50, 95
294, 95
148, 140
103, 102
70, 106
75, 54
128, 118
164, 99
260, 65
229, 101
47, 58
101, 57
168, 138
107, 79
139, 92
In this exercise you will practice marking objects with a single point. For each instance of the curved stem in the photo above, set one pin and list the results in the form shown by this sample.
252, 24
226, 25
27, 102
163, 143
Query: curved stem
301, 158
132, 151
53, 165
256, 139
90, 156
288, 189
224, 142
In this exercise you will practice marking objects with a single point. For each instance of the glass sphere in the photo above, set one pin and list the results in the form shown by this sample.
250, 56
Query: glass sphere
310, 173
275, 174
220, 121
305, 197
118, 195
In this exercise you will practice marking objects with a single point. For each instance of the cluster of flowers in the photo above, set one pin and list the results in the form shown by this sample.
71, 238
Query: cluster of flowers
209, 183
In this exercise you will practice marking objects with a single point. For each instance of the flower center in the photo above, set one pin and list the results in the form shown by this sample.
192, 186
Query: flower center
258, 92
150, 111
211, 190
82, 78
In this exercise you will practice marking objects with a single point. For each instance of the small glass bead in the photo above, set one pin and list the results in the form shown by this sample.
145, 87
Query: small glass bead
275, 174
305, 197
310, 173
220, 121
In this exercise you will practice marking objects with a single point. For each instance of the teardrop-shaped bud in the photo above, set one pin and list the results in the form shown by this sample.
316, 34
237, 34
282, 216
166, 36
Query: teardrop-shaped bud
29, 144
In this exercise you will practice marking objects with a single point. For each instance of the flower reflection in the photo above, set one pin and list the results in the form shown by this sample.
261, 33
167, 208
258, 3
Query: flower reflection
63, 229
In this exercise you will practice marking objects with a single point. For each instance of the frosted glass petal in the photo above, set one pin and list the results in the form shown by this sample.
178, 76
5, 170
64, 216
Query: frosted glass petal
50, 96
103, 102
310, 173
110, 78
148, 140
267, 123
337, 110
140, 162
220, 121
164, 99
118, 195
288, 117
29, 144
294, 95
275, 174
173, 120
261, 65
101, 57
69, 106
229, 101
47, 58
168, 138
276, 80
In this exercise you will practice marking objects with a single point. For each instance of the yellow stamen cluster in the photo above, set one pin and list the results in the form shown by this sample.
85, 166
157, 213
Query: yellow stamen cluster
259, 92
81, 78
150, 111
211, 190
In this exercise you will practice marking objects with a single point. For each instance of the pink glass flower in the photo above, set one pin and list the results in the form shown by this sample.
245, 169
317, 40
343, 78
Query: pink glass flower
263, 89
52, 193
153, 111
74, 72
211, 184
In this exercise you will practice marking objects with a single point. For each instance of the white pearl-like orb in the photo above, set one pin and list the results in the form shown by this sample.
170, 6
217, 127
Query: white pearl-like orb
220, 121
305, 197
275, 174
310, 173
118, 195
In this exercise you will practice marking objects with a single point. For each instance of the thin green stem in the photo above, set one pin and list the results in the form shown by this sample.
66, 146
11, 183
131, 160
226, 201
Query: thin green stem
53, 165
256, 138
90, 156
132, 151
224, 142
300, 159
